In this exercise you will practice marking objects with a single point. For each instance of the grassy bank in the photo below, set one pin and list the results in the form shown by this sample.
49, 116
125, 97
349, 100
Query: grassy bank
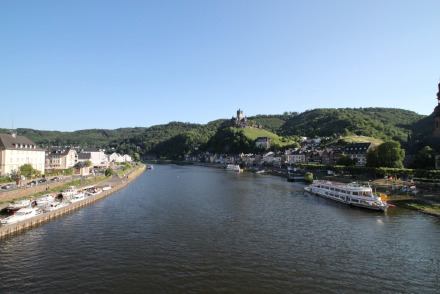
420, 205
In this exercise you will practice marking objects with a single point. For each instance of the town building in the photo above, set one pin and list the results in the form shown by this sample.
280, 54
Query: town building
18, 150
262, 142
81, 169
295, 156
60, 158
95, 155
330, 156
358, 152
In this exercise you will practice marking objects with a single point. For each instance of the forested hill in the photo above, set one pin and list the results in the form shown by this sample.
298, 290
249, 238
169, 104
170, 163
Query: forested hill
381, 123
176, 138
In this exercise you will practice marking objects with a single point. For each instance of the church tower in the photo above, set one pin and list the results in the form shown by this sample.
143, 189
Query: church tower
437, 115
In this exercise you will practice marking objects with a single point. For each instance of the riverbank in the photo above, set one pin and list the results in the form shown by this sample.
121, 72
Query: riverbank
426, 200
116, 183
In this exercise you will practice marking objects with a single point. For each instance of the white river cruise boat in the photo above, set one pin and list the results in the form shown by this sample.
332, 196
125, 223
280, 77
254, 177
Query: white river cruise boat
352, 194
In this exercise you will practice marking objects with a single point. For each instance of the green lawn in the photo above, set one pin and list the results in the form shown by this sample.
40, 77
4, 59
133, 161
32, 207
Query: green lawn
255, 133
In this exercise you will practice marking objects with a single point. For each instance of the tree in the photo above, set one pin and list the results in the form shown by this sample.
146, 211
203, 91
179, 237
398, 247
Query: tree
388, 154
28, 171
109, 172
69, 171
136, 157
345, 160
88, 163
425, 158
308, 177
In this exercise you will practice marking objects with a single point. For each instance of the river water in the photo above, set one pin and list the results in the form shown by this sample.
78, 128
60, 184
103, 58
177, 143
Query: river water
189, 229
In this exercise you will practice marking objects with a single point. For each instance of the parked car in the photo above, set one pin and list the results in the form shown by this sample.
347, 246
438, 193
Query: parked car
8, 186
31, 184
42, 181
55, 179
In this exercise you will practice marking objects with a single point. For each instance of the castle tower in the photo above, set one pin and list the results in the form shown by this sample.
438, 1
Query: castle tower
437, 115
240, 114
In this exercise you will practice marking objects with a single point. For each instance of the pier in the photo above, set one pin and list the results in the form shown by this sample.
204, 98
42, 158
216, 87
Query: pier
6, 230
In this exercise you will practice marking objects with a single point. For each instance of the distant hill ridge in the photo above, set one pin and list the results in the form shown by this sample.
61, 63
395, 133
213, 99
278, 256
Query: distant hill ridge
180, 138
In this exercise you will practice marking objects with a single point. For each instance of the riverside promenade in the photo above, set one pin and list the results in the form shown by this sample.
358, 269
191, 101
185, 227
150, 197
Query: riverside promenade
116, 183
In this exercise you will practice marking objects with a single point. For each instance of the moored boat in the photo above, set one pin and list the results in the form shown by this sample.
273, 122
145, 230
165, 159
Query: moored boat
77, 197
45, 199
92, 191
69, 192
106, 187
296, 177
21, 214
352, 194
17, 205
234, 167
55, 205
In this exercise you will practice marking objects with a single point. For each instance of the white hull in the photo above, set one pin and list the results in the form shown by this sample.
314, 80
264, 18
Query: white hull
20, 215
77, 197
350, 194
233, 167
55, 206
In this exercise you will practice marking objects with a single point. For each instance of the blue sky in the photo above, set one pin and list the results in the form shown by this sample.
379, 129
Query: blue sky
73, 65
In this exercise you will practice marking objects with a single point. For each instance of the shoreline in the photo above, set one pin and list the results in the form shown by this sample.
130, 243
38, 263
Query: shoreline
419, 204
8, 230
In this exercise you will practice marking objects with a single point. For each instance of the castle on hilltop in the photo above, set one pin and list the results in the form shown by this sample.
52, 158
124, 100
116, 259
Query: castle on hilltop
241, 122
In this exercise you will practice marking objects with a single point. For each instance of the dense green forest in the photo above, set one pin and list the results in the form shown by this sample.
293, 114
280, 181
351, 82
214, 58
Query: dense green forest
380, 123
175, 139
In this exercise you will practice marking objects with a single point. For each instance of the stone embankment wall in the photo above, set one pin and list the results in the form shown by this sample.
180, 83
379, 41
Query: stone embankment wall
6, 230
23, 192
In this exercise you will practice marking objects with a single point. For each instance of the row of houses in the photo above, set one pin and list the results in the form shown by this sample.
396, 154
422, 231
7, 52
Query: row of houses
307, 154
18, 150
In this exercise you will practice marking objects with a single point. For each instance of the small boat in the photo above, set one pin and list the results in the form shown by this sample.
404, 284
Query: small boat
17, 205
77, 197
296, 177
20, 215
150, 167
92, 191
233, 167
20, 203
69, 192
55, 205
106, 187
352, 194
45, 199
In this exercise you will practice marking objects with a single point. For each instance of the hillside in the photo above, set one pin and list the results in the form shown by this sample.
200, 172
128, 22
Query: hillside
176, 138
355, 139
238, 140
381, 123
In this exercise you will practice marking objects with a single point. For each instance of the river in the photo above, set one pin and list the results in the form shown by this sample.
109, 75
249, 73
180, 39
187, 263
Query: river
189, 229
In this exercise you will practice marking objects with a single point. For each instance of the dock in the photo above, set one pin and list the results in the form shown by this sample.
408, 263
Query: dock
7, 230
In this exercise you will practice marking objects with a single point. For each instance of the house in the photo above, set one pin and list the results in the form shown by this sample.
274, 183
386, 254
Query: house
81, 169
358, 152
262, 142
314, 156
247, 159
296, 156
60, 158
96, 156
116, 157
330, 156
18, 150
